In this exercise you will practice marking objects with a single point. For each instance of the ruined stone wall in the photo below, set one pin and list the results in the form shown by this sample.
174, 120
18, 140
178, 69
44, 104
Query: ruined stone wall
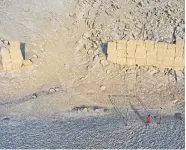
147, 53
11, 56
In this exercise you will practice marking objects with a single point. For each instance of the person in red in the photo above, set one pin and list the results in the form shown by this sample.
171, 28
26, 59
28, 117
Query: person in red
147, 120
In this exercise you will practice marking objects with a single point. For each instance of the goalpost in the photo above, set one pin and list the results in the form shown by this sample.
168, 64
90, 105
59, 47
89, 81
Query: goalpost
130, 109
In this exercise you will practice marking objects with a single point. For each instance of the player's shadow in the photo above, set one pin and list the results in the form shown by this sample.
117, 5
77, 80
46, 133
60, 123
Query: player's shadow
137, 113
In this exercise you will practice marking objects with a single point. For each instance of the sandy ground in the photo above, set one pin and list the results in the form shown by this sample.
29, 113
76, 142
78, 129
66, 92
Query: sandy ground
68, 37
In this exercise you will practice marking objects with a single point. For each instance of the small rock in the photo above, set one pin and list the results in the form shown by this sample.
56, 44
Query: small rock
140, 4
108, 71
90, 51
86, 35
42, 49
26, 9
106, 110
97, 42
34, 56
34, 96
79, 111
41, 45
103, 62
57, 89
82, 78
96, 52
66, 66
103, 88
95, 45
127, 26
52, 90
71, 14
87, 46
97, 110
95, 58
85, 110
175, 101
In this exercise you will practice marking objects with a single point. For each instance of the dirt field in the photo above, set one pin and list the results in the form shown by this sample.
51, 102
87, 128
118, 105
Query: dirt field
66, 39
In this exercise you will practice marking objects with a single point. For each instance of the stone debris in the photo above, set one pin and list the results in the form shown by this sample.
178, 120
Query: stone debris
89, 109
41, 46
95, 58
85, 110
42, 50
57, 89
52, 90
34, 96
95, 45
82, 78
108, 71
71, 14
96, 52
103, 88
90, 51
104, 63
175, 101
66, 66
34, 56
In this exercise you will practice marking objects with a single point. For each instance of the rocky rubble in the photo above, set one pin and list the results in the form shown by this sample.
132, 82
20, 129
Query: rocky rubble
87, 109
156, 20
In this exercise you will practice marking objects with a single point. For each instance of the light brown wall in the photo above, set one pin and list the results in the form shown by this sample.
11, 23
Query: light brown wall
15, 54
12, 58
147, 53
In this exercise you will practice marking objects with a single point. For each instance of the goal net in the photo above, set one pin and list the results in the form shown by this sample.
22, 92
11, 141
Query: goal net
131, 109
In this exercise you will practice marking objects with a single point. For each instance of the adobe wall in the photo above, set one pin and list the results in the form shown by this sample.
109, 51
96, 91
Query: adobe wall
11, 56
147, 53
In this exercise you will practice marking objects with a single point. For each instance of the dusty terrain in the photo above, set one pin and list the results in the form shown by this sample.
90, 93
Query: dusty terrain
66, 42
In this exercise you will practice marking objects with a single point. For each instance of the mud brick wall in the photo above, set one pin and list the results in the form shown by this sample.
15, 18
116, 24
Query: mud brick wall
147, 53
16, 54
12, 57
6, 60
